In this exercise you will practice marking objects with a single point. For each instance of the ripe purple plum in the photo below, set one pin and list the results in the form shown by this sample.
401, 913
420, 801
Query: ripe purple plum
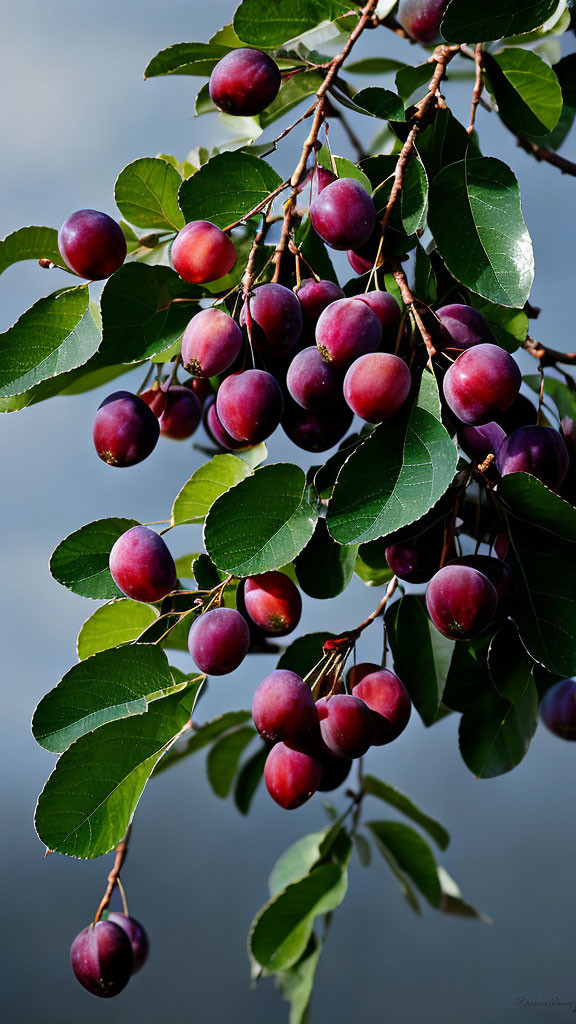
464, 326
244, 82
416, 560
461, 601
201, 252
481, 383
313, 383
249, 405
137, 935
142, 566
388, 312
92, 244
312, 183
347, 329
216, 431
125, 430
275, 319
273, 602
357, 672
377, 385
558, 709
218, 641
102, 959
421, 19
540, 451
210, 343
343, 214
479, 442
499, 574
291, 776
335, 771
314, 296
283, 707
387, 698
316, 431
178, 410
346, 725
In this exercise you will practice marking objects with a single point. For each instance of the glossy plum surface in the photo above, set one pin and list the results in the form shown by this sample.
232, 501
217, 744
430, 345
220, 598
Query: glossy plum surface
461, 601
137, 935
314, 296
218, 641
387, 698
291, 776
540, 451
244, 82
347, 329
275, 318
313, 383
343, 214
481, 383
346, 725
316, 431
142, 566
102, 959
421, 19
249, 405
92, 244
125, 430
558, 709
210, 343
201, 252
377, 385
465, 326
273, 602
283, 707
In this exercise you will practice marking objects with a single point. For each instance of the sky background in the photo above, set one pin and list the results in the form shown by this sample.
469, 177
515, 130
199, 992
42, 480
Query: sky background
75, 110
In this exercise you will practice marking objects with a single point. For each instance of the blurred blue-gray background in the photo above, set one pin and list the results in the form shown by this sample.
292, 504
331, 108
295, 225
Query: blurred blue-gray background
74, 111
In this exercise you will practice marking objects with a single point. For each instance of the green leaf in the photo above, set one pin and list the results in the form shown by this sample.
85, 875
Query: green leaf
297, 982
382, 103
411, 854
509, 325
249, 778
414, 197
494, 735
109, 685
186, 59
226, 188
468, 676
384, 791
280, 932
266, 25
344, 167
526, 90
213, 478
139, 316
466, 22
296, 862
90, 798
528, 499
224, 757
304, 653
146, 194
509, 664
292, 92
80, 562
32, 243
369, 570
564, 397
453, 902
421, 654
416, 462
113, 624
202, 736
491, 253
55, 335
277, 522
410, 80
443, 142
374, 66
325, 568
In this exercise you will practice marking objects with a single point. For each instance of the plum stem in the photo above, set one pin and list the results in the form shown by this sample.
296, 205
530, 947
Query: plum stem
114, 875
478, 87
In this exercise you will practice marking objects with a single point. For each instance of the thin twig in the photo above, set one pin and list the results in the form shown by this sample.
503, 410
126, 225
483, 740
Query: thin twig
410, 303
121, 852
548, 356
478, 87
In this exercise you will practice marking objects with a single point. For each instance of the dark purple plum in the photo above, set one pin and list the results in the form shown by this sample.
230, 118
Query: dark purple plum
125, 430
388, 312
178, 410
345, 330
102, 959
249, 405
501, 544
416, 560
558, 709
316, 431
421, 19
92, 244
499, 574
218, 641
283, 707
314, 296
273, 602
137, 935
211, 343
540, 451
387, 698
465, 326
335, 771
362, 258
313, 383
479, 442
275, 319
343, 214
482, 383
217, 432
142, 566
291, 776
461, 601
346, 725
201, 252
377, 385
244, 82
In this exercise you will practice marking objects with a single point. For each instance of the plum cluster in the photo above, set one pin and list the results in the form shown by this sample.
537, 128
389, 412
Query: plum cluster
105, 955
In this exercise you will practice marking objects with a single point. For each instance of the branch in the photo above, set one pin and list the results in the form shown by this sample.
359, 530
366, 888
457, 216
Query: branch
410, 303
478, 87
548, 156
114, 876
548, 356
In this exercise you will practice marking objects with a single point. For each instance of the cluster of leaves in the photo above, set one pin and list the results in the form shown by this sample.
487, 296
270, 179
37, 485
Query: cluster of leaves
123, 706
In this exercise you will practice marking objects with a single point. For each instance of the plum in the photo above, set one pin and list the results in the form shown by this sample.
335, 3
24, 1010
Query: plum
314, 296
244, 82
283, 707
481, 383
210, 343
249, 406
291, 776
218, 641
137, 935
540, 451
142, 566
275, 318
387, 698
377, 385
313, 383
273, 602
343, 214
461, 601
346, 725
347, 329
421, 19
202, 252
125, 430
316, 431
558, 709
102, 959
465, 326
92, 244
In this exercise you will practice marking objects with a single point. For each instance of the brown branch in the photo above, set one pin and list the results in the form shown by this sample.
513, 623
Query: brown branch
478, 87
548, 356
259, 206
281, 247
114, 876
548, 156
410, 303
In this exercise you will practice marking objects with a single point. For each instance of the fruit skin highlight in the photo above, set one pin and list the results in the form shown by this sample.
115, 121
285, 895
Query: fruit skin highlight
343, 214
377, 385
210, 343
218, 641
389, 702
540, 451
249, 405
421, 19
483, 382
273, 602
346, 725
291, 776
347, 329
283, 707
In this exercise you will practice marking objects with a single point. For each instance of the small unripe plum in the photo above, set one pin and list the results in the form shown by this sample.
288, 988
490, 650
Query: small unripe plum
210, 343
92, 244
273, 602
387, 310
479, 442
461, 601
275, 318
137, 935
125, 430
314, 296
249, 405
335, 771
558, 709
102, 959
291, 776
465, 326
377, 385
346, 725
218, 641
313, 383
345, 330
142, 566
357, 672
421, 19
201, 252
217, 432
316, 431
386, 697
481, 383
540, 451
499, 574
343, 214
283, 707
244, 82
178, 410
